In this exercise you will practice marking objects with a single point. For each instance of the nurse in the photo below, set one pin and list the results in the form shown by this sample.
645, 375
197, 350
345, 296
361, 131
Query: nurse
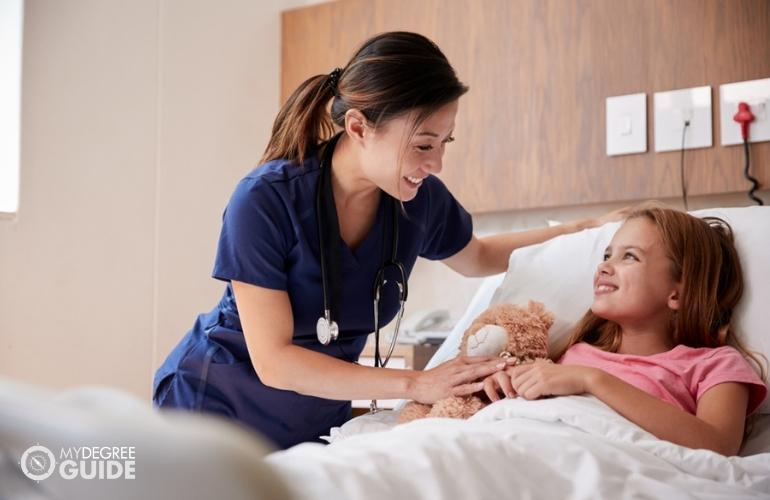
348, 177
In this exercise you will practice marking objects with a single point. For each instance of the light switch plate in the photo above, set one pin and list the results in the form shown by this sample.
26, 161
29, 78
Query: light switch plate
756, 93
672, 109
626, 124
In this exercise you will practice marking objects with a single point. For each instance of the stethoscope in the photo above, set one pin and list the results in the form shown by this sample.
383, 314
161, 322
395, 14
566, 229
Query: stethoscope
327, 328
328, 238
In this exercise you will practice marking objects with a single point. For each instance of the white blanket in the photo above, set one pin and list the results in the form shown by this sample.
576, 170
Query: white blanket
569, 447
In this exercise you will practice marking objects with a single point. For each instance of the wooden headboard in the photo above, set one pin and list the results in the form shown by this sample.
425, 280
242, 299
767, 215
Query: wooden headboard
531, 131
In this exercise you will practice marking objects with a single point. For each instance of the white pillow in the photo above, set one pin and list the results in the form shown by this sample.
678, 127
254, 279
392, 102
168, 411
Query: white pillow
559, 274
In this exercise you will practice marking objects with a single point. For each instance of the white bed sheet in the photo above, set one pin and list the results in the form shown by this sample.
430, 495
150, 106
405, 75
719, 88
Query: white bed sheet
758, 441
567, 447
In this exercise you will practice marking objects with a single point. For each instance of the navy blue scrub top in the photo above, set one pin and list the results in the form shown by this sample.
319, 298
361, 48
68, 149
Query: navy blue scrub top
269, 238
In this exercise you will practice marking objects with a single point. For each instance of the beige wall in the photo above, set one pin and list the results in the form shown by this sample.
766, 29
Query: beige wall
138, 118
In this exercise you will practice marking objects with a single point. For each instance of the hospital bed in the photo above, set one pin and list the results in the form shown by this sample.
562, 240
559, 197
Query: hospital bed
567, 447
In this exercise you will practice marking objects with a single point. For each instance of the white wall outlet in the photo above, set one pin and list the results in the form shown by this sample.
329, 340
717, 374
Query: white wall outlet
673, 109
755, 93
626, 124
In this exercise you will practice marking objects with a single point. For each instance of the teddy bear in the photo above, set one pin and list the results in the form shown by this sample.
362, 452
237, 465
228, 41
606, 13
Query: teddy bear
504, 330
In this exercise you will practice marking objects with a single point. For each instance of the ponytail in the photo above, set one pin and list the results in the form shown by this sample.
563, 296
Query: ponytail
303, 122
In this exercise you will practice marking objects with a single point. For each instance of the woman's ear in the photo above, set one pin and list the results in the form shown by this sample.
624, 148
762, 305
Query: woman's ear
356, 126
673, 298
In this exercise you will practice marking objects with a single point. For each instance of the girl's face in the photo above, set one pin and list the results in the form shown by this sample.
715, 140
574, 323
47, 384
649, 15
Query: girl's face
634, 284
422, 157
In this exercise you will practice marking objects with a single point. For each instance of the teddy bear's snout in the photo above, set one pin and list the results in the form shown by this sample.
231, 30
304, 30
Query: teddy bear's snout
489, 340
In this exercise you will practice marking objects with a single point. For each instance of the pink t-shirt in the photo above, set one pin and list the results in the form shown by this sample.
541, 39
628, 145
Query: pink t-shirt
679, 376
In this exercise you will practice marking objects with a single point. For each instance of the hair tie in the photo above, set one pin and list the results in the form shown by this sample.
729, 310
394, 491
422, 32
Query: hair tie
333, 79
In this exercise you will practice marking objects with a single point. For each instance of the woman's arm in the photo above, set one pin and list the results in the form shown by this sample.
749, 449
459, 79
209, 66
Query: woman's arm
489, 255
268, 326
718, 423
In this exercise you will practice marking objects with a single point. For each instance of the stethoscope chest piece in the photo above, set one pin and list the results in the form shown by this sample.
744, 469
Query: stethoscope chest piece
326, 329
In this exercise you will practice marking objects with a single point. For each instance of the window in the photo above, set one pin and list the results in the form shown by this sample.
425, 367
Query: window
11, 19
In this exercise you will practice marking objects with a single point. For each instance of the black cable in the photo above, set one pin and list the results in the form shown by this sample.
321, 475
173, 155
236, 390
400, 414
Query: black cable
681, 165
754, 182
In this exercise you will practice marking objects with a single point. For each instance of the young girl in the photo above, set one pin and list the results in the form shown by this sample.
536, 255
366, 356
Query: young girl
655, 345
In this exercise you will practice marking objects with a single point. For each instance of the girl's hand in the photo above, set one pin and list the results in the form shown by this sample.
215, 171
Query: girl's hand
541, 378
458, 377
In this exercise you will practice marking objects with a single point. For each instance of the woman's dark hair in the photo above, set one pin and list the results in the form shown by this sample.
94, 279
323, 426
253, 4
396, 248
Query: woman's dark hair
390, 75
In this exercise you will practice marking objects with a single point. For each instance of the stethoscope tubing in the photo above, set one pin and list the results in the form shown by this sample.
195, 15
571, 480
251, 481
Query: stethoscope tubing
323, 190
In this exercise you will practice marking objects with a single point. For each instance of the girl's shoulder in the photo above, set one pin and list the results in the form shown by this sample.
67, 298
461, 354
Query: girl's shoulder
680, 353
699, 354
707, 362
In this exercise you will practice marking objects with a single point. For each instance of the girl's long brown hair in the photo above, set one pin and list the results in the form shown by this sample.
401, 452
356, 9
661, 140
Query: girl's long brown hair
391, 75
705, 261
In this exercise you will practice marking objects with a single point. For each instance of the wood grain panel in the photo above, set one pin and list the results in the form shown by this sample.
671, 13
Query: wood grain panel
531, 131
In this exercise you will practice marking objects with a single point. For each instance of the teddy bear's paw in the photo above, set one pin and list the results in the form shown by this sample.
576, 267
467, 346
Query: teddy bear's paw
413, 411
457, 407
451, 407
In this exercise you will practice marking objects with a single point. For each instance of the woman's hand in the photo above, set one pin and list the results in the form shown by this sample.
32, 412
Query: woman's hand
615, 215
460, 376
542, 378
498, 383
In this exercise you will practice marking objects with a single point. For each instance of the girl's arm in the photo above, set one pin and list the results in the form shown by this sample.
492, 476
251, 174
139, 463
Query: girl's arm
489, 255
717, 426
268, 327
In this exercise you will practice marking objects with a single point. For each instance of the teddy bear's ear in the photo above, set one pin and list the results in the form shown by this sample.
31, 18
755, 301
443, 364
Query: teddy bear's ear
539, 310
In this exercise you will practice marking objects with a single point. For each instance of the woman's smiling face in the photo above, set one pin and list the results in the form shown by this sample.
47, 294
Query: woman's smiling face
399, 170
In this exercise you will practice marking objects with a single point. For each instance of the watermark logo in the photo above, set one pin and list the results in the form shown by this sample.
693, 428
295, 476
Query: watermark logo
82, 462
38, 463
